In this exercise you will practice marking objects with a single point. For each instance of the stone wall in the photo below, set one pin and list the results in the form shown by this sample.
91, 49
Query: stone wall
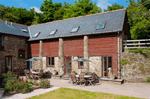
137, 67
11, 46
36, 65
96, 65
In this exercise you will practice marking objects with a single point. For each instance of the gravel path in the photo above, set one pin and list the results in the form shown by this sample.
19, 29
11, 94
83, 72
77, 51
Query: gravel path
31, 94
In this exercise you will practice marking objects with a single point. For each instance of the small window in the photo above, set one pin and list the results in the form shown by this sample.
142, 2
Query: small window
80, 64
52, 32
35, 35
109, 62
100, 26
50, 61
75, 29
1, 40
21, 53
24, 30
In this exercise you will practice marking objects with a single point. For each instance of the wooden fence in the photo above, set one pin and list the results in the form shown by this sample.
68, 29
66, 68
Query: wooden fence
133, 44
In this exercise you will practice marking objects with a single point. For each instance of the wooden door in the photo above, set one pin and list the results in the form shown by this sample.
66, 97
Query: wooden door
67, 65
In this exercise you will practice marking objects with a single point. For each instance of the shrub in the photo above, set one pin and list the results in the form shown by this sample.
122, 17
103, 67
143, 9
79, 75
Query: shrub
123, 61
44, 83
26, 89
35, 83
148, 78
9, 85
143, 51
9, 75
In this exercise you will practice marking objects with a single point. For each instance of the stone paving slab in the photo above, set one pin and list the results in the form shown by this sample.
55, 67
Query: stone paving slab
31, 94
141, 90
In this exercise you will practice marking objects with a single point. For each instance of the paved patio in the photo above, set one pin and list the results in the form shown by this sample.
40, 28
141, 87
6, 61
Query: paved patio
141, 90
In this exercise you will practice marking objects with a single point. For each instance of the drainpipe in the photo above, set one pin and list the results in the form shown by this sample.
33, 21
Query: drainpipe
118, 55
41, 54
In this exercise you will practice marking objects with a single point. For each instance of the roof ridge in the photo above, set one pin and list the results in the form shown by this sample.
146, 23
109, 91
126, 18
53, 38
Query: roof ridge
14, 23
79, 17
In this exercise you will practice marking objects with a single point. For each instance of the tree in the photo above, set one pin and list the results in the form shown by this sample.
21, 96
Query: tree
58, 15
17, 15
49, 9
81, 7
138, 21
114, 7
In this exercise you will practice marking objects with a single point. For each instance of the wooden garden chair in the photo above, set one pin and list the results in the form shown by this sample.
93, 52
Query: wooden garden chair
81, 79
92, 80
31, 76
26, 74
73, 79
40, 74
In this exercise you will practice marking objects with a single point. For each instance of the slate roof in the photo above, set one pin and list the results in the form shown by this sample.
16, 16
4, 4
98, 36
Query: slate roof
14, 29
114, 22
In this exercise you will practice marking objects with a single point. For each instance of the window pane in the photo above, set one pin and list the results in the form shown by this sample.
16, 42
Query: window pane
1, 40
21, 53
49, 61
105, 66
109, 62
81, 63
52, 60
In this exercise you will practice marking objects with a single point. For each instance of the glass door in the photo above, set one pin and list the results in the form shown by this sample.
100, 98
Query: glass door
105, 74
68, 65
107, 64
8, 60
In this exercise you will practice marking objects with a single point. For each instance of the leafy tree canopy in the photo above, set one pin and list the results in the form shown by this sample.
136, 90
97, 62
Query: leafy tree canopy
114, 7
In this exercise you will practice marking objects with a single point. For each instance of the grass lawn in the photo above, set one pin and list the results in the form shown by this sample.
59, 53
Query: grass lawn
66, 93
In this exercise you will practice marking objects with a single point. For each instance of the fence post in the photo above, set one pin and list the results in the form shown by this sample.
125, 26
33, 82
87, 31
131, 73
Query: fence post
125, 44
139, 43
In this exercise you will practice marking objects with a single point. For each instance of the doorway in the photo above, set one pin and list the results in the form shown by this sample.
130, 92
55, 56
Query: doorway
8, 63
67, 67
107, 63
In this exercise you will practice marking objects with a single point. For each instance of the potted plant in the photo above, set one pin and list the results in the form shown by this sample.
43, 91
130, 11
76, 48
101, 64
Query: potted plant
112, 76
73, 72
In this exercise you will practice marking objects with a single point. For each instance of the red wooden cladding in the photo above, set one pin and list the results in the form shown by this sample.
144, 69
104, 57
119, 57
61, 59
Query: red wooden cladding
73, 47
50, 48
34, 49
99, 45
105, 46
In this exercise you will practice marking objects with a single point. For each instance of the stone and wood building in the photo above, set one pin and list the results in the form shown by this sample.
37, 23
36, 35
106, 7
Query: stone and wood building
97, 37
13, 47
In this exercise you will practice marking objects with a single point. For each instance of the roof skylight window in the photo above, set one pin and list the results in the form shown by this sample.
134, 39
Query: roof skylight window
24, 30
53, 32
100, 26
36, 34
75, 29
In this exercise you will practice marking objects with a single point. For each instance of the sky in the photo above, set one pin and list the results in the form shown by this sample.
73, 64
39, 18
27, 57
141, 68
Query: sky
28, 4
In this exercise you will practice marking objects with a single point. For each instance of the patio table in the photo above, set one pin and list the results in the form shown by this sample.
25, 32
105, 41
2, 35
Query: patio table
85, 76
35, 73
